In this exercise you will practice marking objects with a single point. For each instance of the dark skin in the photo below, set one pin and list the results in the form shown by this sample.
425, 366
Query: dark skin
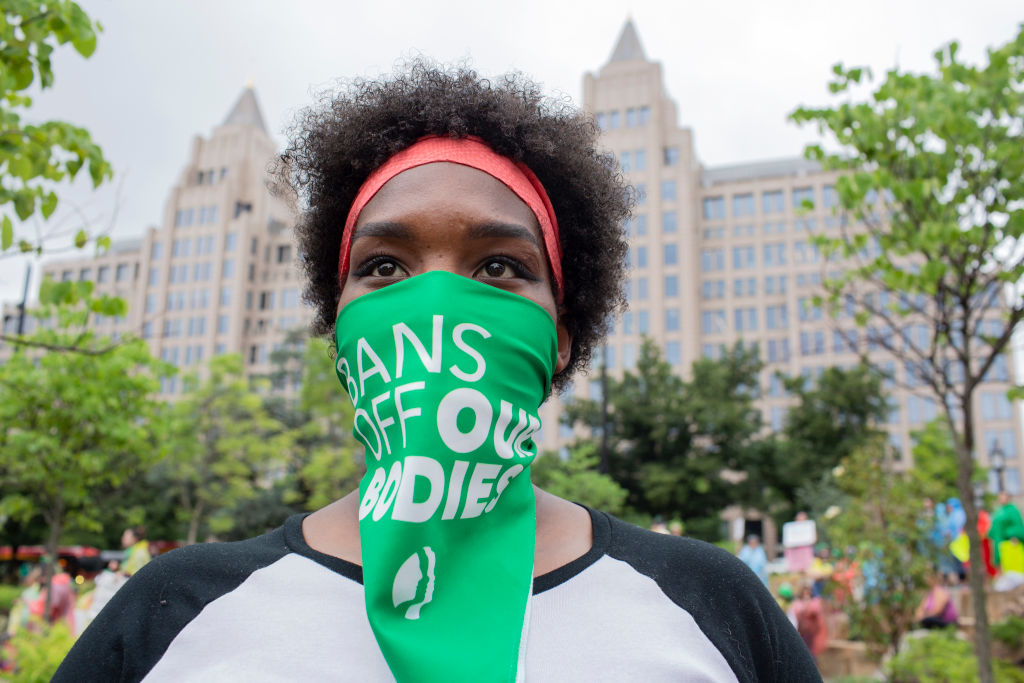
445, 216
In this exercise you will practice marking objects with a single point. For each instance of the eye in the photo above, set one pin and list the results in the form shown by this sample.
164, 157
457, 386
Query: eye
498, 269
382, 267
385, 269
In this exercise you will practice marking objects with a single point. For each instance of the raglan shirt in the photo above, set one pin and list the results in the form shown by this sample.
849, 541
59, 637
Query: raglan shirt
639, 606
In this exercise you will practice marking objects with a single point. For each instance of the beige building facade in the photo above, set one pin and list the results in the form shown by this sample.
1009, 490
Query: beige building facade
717, 255
725, 254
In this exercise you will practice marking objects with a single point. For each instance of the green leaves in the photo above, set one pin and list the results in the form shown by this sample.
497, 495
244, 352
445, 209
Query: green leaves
36, 156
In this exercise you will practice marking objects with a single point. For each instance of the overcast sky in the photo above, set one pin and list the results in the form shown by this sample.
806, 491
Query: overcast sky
165, 71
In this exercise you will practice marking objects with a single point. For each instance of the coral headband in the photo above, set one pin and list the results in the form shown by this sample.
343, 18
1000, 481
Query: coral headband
470, 152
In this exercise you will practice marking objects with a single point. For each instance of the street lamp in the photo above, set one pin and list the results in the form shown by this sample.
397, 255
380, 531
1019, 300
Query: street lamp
997, 461
979, 495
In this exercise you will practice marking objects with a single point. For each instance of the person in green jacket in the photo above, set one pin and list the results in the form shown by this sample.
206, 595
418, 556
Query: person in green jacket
136, 550
1006, 525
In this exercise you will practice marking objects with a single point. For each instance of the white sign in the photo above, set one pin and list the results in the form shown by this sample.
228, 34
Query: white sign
799, 534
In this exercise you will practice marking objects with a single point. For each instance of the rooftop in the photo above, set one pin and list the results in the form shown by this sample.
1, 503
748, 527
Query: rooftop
773, 168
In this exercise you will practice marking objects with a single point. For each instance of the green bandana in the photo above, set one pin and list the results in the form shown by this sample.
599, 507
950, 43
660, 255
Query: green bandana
446, 375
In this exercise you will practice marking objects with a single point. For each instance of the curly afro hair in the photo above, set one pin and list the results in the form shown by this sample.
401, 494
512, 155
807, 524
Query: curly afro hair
337, 143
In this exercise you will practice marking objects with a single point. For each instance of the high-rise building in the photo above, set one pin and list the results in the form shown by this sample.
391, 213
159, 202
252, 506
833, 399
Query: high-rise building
718, 255
219, 273
725, 254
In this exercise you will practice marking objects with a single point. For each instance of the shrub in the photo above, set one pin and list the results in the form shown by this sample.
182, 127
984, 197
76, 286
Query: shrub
8, 594
38, 652
940, 657
1009, 632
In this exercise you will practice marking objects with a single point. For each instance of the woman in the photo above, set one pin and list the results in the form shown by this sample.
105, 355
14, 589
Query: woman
810, 620
936, 609
463, 247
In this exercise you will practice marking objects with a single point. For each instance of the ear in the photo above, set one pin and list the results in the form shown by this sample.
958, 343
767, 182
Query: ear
564, 344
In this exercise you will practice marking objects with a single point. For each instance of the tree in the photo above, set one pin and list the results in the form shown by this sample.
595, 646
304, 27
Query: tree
934, 178
882, 516
35, 157
73, 424
220, 448
577, 479
325, 461
831, 417
670, 440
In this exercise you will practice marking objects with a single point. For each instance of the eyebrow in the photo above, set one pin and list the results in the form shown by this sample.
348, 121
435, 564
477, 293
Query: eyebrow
393, 230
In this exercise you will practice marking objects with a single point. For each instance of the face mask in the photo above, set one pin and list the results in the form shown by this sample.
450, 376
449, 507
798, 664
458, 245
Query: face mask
446, 375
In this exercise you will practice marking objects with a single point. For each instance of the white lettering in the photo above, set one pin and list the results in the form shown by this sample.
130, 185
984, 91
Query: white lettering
431, 361
406, 509
451, 505
372, 493
366, 442
524, 436
503, 446
387, 422
390, 491
363, 349
506, 477
350, 383
403, 414
479, 489
481, 364
448, 411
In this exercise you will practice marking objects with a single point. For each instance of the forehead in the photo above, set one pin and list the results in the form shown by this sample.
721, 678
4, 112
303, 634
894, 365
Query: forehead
447, 189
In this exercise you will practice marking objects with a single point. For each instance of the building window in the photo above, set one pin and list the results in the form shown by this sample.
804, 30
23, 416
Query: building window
641, 289
829, 196
625, 161
284, 253
742, 205
641, 193
778, 352
745, 319
775, 254
668, 190
743, 257
602, 121
671, 285
776, 317
801, 195
671, 254
628, 356
714, 208
807, 311
645, 115
668, 222
643, 322
995, 406
712, 322
222, 324
85, 274
103, 274
712, 260
673, 353
744, 287
713, 289
672, 319
614, 120
631, 117
772, 202
671, 156
229, 268
640, 160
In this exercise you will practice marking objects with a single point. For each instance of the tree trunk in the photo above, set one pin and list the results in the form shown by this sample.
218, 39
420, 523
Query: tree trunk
52, 544
193, 524
976, 573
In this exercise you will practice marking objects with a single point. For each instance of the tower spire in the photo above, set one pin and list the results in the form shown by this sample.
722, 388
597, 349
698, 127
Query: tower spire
628, 47
246, 110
